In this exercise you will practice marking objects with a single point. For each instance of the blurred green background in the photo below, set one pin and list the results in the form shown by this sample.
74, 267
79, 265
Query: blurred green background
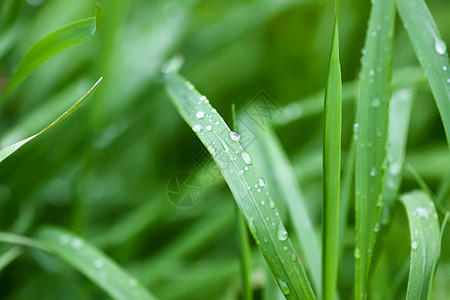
104, 172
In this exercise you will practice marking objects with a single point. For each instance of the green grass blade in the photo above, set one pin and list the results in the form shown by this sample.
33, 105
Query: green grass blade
435, 264
332, 168
9, 256
4, 153
431, 52
370, 135
93, 263
271, 159
247, 187
244, 243
399, 116
67, 36
90, 261
425, 245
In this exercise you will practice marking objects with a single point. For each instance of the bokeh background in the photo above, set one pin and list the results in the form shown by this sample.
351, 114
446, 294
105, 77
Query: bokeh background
105, 172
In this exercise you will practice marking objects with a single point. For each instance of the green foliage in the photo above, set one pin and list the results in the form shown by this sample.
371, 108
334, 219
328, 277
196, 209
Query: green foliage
151, 204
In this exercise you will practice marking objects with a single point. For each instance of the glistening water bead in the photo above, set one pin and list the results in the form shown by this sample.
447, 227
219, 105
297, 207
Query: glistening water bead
247, 158
200, 115
439, 46
282, 233
235, 136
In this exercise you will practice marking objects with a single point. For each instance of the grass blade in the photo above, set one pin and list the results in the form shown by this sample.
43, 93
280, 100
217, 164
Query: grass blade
370, 135
244, 243
431, 52
399, 115
271, 159
247, 187
9, 256
85, 258
5, 152
93, 263
425, 242
332, 168
67, 36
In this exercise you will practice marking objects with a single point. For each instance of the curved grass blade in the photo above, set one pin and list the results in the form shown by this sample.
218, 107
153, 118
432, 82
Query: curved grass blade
9, 256
4, 153
244, 242
370, 135
425, 242
90, 261
431, 52
399, 116
247, 187
53, 43
271, 159
332, 167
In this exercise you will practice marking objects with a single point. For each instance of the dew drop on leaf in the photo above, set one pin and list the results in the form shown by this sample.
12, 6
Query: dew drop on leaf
235, 136
247, 158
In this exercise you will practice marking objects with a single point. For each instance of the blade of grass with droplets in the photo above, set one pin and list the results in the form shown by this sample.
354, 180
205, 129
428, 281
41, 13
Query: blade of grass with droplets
332, 167
244, 244
271, 159
4, 153
247, 187
370, 135
70, 35
435, 264
425, 242
431, 52
399, 116
90, 261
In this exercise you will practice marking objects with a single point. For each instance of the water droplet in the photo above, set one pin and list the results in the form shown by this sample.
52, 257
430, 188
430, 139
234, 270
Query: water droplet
377, 227
282, 233
357, 253
414, 245
355, 131
208, 128
235, 136
77, 243
242, 171
99, 264
422, 212
197, 127
395, 168
293, 257
444, 68
261, 181
200, 115
373, 171
375, 102
271, 204
202, 98
263, 202
285, 248
439, 46
247, 158
64, 239
217, 122
212, 150
283, 286
371, 72
133, 282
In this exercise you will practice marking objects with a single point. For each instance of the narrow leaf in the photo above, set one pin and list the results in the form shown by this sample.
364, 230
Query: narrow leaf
425, 243
48, 46
90, 261
247, 187
370, 135
431, 51
332, 168
4, 153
